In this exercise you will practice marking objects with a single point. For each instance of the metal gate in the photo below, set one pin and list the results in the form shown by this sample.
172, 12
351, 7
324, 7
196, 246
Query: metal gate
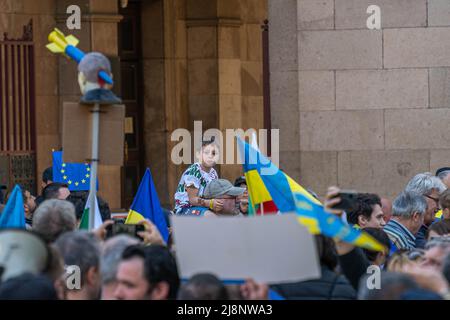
17, 111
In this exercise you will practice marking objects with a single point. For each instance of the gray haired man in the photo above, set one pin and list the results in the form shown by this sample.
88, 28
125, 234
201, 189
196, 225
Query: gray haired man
111, 256
430, 187
54, 217
408, 212
81, 249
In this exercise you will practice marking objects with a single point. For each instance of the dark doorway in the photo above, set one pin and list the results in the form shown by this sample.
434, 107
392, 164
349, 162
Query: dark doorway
130, 53
17, 111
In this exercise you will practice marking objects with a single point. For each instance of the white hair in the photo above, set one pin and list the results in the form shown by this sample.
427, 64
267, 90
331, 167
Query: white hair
425, 184
408, 203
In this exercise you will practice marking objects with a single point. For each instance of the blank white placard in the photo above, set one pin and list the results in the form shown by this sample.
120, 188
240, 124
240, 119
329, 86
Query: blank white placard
270, 249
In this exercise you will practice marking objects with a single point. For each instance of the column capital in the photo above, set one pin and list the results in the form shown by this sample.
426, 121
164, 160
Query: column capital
216, 22
93, 17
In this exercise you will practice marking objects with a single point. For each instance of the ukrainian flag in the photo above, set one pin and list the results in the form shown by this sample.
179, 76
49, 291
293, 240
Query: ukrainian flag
266, 182
146, 205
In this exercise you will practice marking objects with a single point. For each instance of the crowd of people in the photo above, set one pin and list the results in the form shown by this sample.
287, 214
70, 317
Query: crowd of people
414, 229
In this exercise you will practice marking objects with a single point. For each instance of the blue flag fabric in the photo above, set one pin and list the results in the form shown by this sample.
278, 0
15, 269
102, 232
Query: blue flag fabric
146, 205
266, 182
76, 175
13, 215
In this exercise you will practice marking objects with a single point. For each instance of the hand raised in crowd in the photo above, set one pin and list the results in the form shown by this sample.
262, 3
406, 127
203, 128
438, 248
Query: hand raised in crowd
331, 200
251, 290
151, 235
100, 232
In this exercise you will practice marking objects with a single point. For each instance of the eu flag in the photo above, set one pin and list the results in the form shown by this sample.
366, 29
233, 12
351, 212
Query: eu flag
146, 205
13, 215
76, 175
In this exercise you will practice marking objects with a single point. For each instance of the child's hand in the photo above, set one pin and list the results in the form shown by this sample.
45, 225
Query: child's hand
217, 205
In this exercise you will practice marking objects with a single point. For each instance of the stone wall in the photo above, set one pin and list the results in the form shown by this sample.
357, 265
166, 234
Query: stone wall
364, 109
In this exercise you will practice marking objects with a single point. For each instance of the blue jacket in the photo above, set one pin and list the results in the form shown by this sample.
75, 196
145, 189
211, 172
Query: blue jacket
421, 237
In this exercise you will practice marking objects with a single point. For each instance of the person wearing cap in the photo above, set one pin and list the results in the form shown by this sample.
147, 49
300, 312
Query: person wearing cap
223, 189
444, 175
243, 199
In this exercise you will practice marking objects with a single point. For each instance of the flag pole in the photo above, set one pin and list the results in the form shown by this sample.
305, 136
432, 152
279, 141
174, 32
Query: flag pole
94, 163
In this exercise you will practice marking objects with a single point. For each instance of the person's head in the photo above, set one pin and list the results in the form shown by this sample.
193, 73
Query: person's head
223, 190
88, 72
242, 200
56, 190
54, 217
208, 155
409, 209
82, 249
203, 286
438, 229
436, 250
29, 203
28, 286
368, 213
392, 286
147, 273
326, 250
111, 255
430, 187
47, 177
446, 268
399, 260
444, 175
376, 257
386, 206
241, 182
55, 272
444, 201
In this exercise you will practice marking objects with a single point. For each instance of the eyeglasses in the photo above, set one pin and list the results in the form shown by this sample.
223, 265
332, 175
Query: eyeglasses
434, 199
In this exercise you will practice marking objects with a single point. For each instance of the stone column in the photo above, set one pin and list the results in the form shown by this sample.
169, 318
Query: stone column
214, 68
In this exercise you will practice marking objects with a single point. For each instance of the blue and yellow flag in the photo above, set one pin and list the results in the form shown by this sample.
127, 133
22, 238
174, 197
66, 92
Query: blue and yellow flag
266, 182
13, 215
76, 175
146, 205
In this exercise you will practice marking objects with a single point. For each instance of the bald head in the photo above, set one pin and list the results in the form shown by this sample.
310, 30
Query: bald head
386, 207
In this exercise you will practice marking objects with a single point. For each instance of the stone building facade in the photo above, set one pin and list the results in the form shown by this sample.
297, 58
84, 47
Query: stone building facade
363, 109
192, 60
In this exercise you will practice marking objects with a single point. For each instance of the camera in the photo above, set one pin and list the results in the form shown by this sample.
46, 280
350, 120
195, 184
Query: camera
120, 228
348, 201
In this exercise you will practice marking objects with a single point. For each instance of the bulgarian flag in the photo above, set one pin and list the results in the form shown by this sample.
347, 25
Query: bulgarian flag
84, 224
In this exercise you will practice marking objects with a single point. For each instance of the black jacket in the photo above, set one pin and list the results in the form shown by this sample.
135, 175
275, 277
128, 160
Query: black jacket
354, 265
331, 286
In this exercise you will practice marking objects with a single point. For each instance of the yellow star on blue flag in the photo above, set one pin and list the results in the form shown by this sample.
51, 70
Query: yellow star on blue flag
76, 175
